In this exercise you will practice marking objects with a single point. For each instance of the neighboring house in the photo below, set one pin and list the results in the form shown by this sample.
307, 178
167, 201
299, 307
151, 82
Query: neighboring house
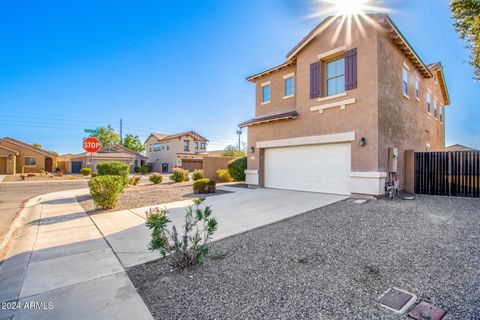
325, 119
459, 147
16, 156
75, 163
185, 150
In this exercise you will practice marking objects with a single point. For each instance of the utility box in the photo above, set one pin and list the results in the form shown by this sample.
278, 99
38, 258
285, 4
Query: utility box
392, 159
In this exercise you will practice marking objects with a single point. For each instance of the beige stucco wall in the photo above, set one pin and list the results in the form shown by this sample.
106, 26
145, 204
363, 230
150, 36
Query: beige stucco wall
175, 152
27, 152
360, 117
212, 164
405, 123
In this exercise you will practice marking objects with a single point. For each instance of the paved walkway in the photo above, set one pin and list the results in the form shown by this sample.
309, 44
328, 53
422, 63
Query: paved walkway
75, 264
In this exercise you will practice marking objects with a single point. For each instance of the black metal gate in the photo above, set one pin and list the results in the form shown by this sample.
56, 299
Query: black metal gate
448, 173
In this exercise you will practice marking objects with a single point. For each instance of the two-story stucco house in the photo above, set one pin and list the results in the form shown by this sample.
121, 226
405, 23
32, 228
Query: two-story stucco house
326, 118
185, 150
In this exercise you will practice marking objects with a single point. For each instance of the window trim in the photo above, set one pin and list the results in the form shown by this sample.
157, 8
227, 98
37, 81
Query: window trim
263, 85
285, 78
429, 101
435, 108
203, 145
30, 165
186, 145
417, 89
334, 59
405, 71
196, 145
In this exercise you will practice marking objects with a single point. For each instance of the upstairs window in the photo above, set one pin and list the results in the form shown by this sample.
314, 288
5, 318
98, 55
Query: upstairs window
196, 144
405, 81
290, 86
429, 103
168, 146
335, 77
417, 89
435, 108
441, 113
266, 93
156, 147
186, 145
203, 145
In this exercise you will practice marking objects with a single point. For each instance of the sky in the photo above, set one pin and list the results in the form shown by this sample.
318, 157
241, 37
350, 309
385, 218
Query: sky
173, 66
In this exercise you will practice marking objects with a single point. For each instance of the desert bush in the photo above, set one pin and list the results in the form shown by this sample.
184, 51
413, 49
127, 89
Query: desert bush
156, 178
86, 171
204, 186
105, 190
133, 181
223, 175
189, 248
114, 168
144, 169
135, 169
179, 175
197, 175
94, 174
236, 168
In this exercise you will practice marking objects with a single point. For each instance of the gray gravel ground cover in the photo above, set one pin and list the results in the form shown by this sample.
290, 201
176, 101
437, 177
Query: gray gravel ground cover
330, 263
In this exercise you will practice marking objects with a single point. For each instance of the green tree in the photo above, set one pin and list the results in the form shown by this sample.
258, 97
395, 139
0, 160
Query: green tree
232, 151
133, 143
37, 145
106, 135
466, 14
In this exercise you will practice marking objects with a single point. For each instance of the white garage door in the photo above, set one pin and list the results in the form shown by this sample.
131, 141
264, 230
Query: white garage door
316, 168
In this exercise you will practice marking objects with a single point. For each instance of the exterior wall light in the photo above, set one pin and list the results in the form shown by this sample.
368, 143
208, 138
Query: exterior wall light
252, 149
362, 142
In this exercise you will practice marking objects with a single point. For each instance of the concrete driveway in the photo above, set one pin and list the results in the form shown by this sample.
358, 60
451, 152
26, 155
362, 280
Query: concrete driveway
238, 211
14, 194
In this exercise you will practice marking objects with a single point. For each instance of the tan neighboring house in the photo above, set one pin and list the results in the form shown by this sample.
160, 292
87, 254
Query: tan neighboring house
16, 156
326, 118
185, 150
74, 163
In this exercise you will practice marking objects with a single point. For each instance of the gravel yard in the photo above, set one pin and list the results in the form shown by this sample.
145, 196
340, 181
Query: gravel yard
147, 195
330, 263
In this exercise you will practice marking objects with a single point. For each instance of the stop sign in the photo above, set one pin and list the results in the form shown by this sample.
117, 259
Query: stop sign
91, 144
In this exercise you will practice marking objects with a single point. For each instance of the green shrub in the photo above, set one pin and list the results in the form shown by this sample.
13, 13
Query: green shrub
114, 168
133, 181
223, 175
86, 171
156, 178
189, 248
204, 186
144, 169
135, 169
105, 190
236, 168
93, 174
197, 175
179, 175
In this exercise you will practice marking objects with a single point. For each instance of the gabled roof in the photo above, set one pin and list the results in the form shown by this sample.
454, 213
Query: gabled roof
459, 147
165, 137
15, 152
438, 68
117, 148
382, 19
29, 146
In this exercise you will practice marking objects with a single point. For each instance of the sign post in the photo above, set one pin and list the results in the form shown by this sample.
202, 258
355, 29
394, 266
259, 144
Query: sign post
91, 145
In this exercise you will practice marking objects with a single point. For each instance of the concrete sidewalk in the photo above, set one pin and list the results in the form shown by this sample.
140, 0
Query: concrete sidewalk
61, 267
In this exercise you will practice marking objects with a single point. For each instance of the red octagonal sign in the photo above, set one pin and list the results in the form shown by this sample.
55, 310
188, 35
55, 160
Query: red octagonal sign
91, 144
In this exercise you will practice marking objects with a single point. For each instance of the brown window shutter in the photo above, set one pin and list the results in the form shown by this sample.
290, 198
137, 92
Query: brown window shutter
315, 80
351, 69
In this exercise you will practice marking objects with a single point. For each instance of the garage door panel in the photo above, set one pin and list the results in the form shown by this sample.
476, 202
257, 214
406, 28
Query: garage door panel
316, 168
